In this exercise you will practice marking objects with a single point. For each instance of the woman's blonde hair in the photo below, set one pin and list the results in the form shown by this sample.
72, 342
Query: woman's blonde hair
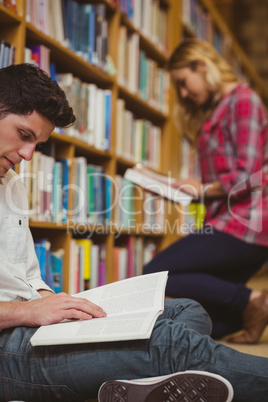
218, 72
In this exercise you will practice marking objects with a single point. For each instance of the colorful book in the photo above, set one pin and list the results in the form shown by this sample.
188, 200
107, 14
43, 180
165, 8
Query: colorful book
86, 266
66, 165
43, 252
57, 269
57, 207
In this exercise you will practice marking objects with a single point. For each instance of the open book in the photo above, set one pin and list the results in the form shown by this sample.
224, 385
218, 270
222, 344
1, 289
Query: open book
157, 183
132, 306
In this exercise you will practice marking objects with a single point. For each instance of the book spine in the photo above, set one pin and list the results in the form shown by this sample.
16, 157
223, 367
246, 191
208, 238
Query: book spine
108, 118
91, 202
98, 193
57, 193
91, 34
57, 269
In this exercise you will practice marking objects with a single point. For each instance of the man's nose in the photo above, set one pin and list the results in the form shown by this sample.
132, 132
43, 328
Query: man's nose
26, 152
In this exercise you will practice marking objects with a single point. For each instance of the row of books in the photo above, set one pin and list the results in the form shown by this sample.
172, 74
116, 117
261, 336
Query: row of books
150, 211
130, 257
60, 190
87, 262
47, 184
90, 193
139, 73
11, 4
51, 264
74, 191
86, 30
137, 139
7, 54
149, 17
92, 105
87, 265
200, 21
81, 27
84, 27
153, 212
47, 16
93, 109
38, 55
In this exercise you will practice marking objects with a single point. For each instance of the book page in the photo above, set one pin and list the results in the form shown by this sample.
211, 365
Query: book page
145, 292
165, 179
132, 306
162, 186
108, 329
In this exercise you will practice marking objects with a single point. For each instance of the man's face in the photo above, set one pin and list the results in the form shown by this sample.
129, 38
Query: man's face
19, 136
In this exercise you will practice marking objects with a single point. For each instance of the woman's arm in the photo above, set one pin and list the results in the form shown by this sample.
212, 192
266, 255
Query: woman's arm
214, 190
197, 190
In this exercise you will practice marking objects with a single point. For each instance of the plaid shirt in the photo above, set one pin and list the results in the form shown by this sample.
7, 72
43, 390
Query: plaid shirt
233, 149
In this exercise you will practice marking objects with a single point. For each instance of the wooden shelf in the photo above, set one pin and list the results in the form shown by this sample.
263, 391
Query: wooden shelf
143, 108
48, 225
68, 60
9, 17
238, 51
152, 50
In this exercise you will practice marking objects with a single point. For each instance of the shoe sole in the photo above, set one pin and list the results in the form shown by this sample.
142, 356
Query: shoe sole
188, 386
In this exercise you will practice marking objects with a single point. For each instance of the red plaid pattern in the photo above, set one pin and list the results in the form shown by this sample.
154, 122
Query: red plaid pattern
233, 150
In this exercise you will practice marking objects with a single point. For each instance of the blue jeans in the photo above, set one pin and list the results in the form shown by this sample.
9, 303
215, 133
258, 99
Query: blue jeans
180, 341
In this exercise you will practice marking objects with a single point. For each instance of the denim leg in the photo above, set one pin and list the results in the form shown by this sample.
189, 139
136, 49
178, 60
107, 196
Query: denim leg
186, 349
75, 372
188, 312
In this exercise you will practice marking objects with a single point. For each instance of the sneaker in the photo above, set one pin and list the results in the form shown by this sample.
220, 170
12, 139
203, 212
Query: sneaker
186, 386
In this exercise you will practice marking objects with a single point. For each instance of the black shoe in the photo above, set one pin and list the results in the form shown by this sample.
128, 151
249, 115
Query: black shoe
192, 386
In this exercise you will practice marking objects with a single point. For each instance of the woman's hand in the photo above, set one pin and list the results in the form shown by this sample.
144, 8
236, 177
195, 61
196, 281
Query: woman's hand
197, 190
190, 186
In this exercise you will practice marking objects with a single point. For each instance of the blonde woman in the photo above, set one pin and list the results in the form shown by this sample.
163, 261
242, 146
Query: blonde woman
226, 121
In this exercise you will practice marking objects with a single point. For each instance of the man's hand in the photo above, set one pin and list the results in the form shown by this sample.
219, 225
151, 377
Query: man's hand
47, 310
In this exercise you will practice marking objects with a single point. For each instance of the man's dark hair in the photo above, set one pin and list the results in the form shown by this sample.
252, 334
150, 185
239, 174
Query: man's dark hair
25, 88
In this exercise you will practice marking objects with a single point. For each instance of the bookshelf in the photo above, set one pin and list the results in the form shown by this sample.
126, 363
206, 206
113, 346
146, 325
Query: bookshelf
205, 14
148, 105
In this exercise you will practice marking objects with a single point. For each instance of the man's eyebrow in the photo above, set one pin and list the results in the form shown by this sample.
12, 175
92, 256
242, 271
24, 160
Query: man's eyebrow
29, 130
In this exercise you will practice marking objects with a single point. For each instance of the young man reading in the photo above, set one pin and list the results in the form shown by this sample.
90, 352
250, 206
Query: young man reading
31, 106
